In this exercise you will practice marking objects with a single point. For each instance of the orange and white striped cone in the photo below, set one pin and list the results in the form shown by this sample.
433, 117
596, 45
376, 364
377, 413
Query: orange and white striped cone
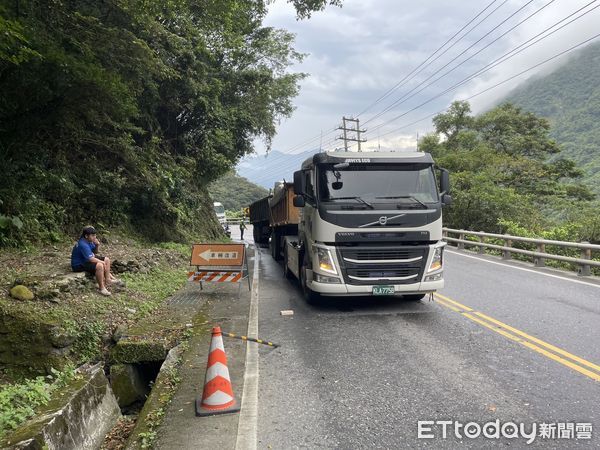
217, 397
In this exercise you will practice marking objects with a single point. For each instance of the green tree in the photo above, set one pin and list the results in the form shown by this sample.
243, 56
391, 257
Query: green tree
121, 112
502, 167
235, 192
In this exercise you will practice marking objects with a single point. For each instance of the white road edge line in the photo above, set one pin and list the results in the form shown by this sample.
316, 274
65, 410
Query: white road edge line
248, 422
525, 269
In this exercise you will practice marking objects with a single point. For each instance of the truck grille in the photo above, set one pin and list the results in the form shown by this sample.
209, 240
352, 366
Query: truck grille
383, 265
365, 254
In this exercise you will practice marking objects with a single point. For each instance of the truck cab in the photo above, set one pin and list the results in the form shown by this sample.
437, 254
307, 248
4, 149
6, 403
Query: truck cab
370, 224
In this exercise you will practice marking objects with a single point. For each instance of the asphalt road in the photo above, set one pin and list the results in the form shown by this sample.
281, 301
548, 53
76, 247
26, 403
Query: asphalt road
502, 343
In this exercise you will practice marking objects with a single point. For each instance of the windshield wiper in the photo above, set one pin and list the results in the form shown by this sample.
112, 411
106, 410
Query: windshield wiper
362, 200
416, 200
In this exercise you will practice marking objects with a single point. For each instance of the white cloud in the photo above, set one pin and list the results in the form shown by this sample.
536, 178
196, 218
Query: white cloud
359, 51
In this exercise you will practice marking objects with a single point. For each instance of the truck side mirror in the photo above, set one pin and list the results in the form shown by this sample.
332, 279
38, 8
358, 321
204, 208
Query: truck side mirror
444, 182
299, 184
446, 199
299, 201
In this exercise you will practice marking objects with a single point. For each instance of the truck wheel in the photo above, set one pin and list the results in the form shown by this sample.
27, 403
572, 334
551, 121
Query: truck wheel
413, 298
271, 244
311, 297
286, 270
275, 247
256, 234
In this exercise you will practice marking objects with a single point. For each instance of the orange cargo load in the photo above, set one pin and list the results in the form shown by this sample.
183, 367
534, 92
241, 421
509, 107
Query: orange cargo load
283, 211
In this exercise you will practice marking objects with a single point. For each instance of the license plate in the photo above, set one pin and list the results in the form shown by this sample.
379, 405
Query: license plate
383, 290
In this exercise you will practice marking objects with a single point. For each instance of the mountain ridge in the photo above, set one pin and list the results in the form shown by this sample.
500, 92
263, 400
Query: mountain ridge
569, 97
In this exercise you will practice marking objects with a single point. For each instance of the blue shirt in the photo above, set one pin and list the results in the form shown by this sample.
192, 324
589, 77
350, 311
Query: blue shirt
82, 252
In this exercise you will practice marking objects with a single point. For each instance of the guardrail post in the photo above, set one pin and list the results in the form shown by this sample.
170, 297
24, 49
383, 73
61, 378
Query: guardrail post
585, 269
540, 261
461, 236
506, 253
481, 247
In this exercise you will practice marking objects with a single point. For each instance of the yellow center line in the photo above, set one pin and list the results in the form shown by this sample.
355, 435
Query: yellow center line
454, 302
589, 373
540, 342
493, 328
521, 338
448, 305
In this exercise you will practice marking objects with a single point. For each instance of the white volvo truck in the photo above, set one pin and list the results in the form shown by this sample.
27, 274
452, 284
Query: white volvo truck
369, 224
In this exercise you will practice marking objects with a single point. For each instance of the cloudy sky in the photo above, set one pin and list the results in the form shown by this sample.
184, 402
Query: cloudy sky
358, 52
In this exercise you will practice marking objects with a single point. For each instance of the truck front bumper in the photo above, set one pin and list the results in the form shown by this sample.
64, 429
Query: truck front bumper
328, 289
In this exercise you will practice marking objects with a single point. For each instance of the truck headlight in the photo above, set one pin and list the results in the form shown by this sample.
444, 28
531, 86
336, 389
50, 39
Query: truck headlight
325, 279
436, 261
435, 277
325, 260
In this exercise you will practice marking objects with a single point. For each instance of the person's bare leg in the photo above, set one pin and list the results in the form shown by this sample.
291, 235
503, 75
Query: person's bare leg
107, 276
107, 263
100, 275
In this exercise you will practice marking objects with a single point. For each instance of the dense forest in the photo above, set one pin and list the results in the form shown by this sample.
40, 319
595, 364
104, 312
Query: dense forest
509, 176
569, 98
235, 192
119, 113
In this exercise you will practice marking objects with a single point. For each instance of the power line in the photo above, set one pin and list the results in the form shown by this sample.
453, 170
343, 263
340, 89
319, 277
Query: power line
494, 63
425, 62
313, 139
558, 55
515, 51
498, 61
406, 96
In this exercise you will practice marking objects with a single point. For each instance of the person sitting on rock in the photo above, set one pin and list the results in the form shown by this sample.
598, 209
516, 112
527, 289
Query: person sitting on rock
84, 258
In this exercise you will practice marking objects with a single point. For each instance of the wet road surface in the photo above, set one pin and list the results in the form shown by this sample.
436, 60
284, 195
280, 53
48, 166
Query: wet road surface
361, 372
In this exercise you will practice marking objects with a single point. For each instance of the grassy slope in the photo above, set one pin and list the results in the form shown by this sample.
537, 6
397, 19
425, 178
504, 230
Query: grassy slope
570, 98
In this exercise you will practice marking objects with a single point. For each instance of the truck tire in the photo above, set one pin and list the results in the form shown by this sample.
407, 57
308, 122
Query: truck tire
311, 297
256, 233
286, 270
275, 246
414, 297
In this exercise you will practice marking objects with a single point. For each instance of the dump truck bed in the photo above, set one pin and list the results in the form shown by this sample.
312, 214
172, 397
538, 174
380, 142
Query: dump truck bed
260, 211
283, 211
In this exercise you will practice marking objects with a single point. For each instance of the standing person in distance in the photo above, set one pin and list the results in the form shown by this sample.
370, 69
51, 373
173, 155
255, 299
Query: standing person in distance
242, 228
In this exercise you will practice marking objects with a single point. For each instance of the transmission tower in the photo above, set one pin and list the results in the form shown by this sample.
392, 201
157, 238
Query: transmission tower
346, 137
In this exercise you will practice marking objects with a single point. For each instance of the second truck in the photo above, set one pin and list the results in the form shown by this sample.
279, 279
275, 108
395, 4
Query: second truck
358, 224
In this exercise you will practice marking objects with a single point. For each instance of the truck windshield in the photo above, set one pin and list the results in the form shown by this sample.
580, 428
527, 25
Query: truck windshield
219, 209
400, 184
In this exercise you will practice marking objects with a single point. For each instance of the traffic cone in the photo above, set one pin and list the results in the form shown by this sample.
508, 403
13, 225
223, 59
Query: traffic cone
217, 397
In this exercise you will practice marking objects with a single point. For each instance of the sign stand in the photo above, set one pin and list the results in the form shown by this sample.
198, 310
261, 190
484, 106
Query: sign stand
219, 263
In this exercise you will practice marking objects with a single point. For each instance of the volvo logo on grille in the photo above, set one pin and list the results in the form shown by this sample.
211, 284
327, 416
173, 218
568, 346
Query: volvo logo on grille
383, 221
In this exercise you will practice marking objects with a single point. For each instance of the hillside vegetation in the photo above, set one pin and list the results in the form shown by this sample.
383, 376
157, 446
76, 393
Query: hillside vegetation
569, 98
508, 177
235, 192
120, 113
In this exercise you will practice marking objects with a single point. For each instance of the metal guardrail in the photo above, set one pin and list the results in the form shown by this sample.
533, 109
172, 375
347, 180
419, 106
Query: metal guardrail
584, 263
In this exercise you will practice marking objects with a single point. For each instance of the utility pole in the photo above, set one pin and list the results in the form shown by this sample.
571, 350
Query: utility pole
321, 142
355, 130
